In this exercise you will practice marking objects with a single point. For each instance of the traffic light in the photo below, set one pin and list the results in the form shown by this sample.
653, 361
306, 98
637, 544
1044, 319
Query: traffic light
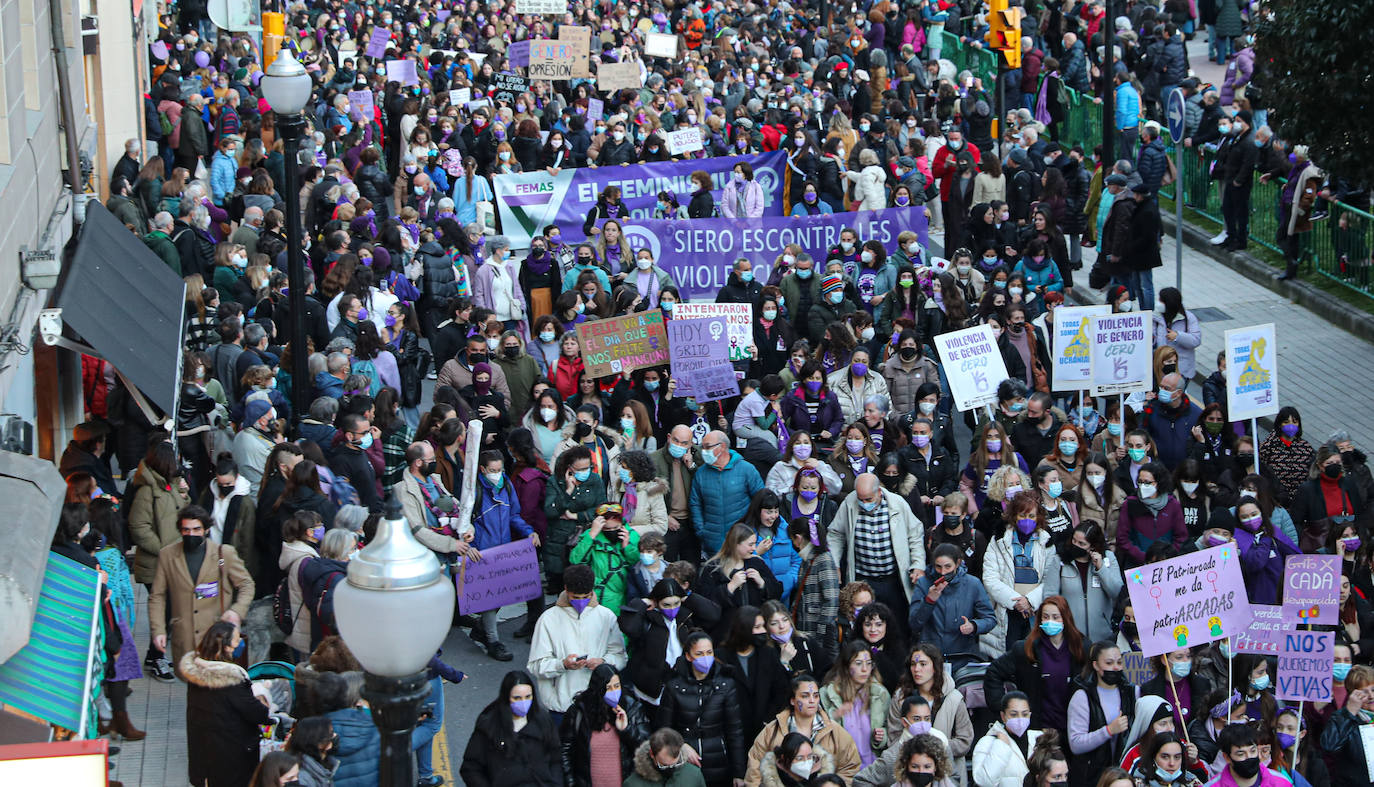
1004, 33
273, 36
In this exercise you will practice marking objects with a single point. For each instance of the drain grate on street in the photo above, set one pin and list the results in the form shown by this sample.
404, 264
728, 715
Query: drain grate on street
1210, 314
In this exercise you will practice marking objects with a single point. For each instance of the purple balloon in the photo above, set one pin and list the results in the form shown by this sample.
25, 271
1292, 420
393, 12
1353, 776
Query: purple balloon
203, 59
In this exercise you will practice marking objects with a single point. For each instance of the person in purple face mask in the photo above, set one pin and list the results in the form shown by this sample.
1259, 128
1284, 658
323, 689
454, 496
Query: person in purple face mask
571, 639
514, 738
701, 698
1286, 454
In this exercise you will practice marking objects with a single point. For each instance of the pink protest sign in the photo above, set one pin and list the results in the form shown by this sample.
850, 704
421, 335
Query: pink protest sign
1190, 600
402, 71
1265, 633
1306, 662
1311, 589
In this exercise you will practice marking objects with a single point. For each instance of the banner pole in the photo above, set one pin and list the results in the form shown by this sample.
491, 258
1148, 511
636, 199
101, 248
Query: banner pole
1083, 408
1174, 690
1254, 440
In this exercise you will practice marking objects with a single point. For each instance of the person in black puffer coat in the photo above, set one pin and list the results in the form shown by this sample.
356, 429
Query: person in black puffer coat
647, 630
506, 749
604, 703
440, 284
704, 707
373, 183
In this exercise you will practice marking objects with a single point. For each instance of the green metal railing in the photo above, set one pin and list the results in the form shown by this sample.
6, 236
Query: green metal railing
1338, 246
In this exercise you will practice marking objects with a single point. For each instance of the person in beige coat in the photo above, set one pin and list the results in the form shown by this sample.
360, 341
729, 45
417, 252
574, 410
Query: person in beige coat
423, 500
159, 493
907, 534
220, 588
300, 537
803, 713
650, 513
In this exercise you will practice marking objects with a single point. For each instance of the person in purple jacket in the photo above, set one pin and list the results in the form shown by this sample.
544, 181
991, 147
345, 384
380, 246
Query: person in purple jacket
1263, 550
1149, 516
812, 407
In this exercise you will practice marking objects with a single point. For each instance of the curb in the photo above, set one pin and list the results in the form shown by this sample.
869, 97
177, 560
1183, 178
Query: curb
1340, 314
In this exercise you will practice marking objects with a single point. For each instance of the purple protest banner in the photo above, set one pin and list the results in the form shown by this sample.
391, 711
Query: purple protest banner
377, 42
530, 201
698, 253
518, 54
715, 382
694, 345
1189, 600
596, 108
1306, 663
1311, 589
402, 71
508, 574
1265, 633
443, 14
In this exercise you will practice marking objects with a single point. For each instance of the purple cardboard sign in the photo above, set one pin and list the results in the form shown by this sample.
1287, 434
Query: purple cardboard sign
1265, 634
1190, 600
1306, 662
596, 108
1311, 589
518, 54
402, 71
443, 14
694, 345
508, 574
715, 382
377, 42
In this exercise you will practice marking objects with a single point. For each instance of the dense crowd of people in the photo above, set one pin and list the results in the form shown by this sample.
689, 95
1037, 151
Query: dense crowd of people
822, 581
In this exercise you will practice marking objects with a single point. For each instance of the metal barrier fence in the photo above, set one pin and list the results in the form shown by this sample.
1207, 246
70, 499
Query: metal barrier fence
1338, 247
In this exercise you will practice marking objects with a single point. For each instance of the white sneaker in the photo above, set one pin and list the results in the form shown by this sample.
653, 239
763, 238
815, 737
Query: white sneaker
1217, 240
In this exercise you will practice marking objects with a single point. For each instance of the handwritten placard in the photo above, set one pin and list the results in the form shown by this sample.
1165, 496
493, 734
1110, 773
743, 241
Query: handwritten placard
540, 6
507, 87
581, 40
687, 140
973, 364
716, 382
1138, 670
1120, 353
596, 109
739, 319
377, 43
1306, 663
518, 54
623, 344
1265, 633
508, 574
360, 105
617, 76
1189, 600
552, 59
694, 345
402, 71
1311, 589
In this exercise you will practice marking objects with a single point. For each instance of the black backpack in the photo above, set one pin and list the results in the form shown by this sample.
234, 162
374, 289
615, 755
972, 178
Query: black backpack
282, 613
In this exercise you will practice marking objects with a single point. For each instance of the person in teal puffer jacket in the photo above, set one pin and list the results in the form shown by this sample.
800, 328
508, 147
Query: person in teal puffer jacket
721, 490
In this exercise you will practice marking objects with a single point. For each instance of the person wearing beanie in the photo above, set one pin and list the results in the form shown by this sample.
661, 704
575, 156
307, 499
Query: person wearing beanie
1236, 170
832, 307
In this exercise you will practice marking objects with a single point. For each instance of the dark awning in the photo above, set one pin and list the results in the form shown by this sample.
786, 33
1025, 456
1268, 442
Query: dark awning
124, 301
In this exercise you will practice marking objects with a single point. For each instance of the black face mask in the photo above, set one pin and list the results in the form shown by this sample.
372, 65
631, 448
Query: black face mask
1075, 552
1169, 368
908, 353
920, 779
476, 358
1246, 769
429, 467
1332, 471
891, 481
1113, 677
1128, 627
760, 640
192, 543
224, 489
584, 260
511, 352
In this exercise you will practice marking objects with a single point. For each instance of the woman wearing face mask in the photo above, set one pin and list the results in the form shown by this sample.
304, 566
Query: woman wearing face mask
902, 303
802, 168
945, 309
514, 740
811, 407
1294, 744
1000, 758
1263, 551
810, 202
855, 383
702, 205
1151, 515
772, 335
924, 762
1163, 763
222, 745
1213, 446
701, 697
1344, 731
761, 681
1328, 501
1015, 567
1287, 455
743, 195
1100, 712
1250, 676
792, 762
1109, 441
1179, 691
992, 450
601, 730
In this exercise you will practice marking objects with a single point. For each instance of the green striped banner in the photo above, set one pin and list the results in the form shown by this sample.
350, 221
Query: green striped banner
55, 676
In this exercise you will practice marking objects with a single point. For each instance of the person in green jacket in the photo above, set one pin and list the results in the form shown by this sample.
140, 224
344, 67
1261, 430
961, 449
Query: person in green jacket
659, 763
160, 241
570, 502
610, 549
